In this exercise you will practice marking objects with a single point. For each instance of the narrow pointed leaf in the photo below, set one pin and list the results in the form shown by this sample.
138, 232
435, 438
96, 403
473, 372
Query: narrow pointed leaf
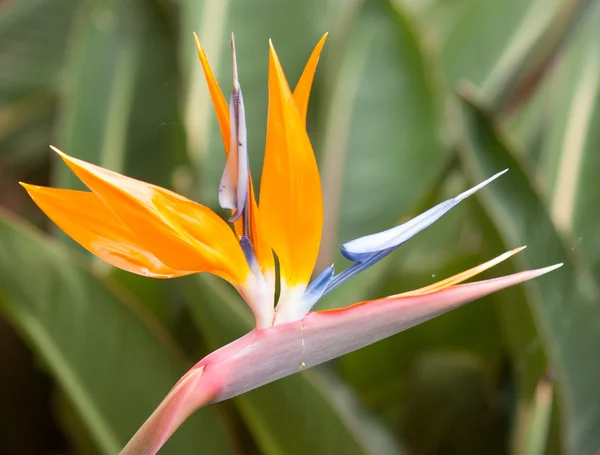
569, 157
520, 43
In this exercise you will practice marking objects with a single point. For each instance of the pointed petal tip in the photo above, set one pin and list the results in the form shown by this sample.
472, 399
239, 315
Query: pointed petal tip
477, 187
550, 268
30, 188
234, 68
321, 42
199, 48
57, 150
198, 45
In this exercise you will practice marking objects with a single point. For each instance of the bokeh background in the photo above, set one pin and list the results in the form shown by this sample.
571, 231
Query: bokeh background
414, 100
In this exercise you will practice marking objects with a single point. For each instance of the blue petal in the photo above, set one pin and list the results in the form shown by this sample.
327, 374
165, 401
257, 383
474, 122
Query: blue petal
316, 288
363, 247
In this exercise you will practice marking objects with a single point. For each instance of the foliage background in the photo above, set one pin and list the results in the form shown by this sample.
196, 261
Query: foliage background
413, 101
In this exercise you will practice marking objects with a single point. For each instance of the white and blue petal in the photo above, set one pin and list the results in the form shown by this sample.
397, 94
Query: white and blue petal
363, 247
233, 189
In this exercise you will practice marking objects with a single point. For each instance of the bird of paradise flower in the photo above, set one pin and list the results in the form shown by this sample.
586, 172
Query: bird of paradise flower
151, 231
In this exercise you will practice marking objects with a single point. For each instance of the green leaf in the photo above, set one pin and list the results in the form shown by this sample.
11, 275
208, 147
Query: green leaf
114, 362
540, 419
300, 414
520, 42
480, 37
33, 35
571, 140
120, 100
565, 304
443, 409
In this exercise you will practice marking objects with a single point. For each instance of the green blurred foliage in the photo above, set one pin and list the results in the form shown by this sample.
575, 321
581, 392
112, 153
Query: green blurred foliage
413, 101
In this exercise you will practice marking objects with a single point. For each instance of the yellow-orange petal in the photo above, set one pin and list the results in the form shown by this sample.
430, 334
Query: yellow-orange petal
182, 234
262, 248
216, 95
304, 85
291, 204
87, 220
460, 277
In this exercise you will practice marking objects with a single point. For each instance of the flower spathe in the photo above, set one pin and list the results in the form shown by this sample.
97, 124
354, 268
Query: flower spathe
151, 231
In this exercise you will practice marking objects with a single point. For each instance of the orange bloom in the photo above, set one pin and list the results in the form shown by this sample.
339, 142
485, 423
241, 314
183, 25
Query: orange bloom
151, 231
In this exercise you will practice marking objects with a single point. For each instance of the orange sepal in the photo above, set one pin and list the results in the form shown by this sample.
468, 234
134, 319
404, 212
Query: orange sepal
460, 277
304, 85
87, 220
291, 204
216, 95
182, 234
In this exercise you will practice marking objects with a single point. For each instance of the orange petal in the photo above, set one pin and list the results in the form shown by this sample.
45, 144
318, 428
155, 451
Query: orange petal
460, 277
182, 234
261, 246
302, 90
291, 205
219, 102
87, 220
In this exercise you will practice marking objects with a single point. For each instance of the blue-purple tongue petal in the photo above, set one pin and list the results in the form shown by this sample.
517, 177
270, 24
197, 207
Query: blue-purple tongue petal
233, 189
316, 288
363, 247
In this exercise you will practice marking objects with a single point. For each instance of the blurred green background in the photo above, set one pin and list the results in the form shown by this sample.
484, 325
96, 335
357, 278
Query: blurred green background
413, 101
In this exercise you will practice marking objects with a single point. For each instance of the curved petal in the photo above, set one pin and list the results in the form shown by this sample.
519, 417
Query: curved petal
304, 85
291, 203
258, 240
87, 220
182, 234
